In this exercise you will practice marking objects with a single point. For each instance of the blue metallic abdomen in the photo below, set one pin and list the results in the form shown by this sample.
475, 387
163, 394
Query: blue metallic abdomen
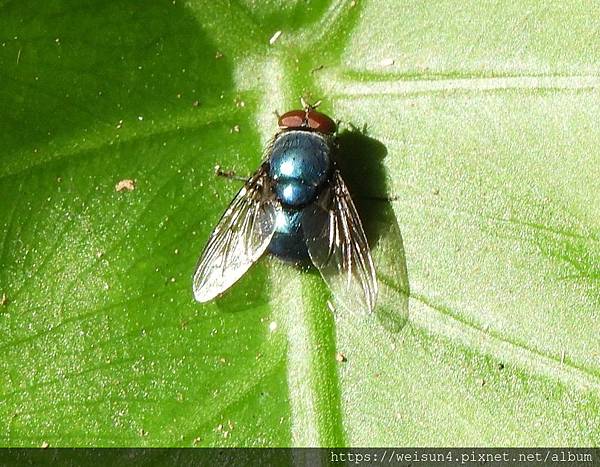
288, 241
300, 164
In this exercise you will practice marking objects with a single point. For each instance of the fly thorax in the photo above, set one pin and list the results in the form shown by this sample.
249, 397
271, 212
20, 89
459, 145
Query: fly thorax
299, 166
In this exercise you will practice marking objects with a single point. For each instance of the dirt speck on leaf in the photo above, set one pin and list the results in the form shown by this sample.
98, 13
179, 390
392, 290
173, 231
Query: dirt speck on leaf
274, 37
125, 185
340, 357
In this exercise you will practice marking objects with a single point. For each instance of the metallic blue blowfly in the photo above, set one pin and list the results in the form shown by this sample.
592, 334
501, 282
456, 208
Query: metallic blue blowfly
297, 207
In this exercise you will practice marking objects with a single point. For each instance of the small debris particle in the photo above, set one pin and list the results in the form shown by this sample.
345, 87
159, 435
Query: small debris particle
220, 427
387, 62
219, 55
330, 306
196, 103
222, 360
99, 254
120, 124
18, 56
274, 37
58, 179
176, 251
436, 191
143, 432
562, 357
57, 40
178, 96
125, 185
239, 103
272, 326
197, 441
317, 68
235, 129
140, 117
172, 279
3, 299
340, 357
44, 445
501, 366
226, 434
481, 382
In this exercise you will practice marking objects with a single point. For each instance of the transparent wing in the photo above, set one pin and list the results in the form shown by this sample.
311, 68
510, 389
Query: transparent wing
239, 239
338, 247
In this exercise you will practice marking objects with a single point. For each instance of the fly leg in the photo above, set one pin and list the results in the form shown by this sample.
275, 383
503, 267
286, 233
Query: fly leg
383, 199
229, 174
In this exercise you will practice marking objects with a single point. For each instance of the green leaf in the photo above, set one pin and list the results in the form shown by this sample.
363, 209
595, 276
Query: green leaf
482, 129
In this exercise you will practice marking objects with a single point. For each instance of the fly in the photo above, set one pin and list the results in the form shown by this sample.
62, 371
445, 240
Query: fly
297, 207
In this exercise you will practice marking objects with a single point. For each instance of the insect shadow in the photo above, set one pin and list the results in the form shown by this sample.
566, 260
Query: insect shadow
361, 163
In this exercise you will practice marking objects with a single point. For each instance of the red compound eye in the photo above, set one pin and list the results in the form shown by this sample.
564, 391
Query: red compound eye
311, 120
292, 119
320, 122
